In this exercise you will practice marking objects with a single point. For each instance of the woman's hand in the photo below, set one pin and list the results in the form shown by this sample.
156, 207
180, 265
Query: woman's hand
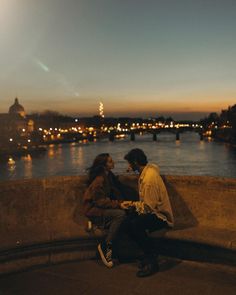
126, 204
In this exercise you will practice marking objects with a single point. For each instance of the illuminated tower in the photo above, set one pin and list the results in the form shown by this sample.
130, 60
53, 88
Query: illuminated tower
101, 110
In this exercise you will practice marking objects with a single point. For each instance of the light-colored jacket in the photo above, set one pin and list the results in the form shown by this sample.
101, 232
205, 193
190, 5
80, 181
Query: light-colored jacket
153, 193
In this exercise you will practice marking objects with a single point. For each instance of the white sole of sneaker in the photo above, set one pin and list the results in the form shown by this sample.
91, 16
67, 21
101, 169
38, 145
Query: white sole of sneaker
108, 264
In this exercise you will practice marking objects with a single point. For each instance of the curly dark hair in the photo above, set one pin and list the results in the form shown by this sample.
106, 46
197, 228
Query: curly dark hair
98, 166
136, 156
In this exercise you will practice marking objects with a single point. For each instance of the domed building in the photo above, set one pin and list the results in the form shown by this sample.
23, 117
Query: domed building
17, 108
15, 125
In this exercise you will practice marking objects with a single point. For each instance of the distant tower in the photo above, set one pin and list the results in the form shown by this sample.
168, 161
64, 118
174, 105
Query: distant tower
101, 110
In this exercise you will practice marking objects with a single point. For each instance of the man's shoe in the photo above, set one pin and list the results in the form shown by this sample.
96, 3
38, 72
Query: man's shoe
147, 269
146, 260
105, 252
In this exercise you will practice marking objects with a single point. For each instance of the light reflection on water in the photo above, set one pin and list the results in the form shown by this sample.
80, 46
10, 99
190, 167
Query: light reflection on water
28, 166
188, 156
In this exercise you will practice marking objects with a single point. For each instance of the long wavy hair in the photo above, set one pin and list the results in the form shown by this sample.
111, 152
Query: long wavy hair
98, 167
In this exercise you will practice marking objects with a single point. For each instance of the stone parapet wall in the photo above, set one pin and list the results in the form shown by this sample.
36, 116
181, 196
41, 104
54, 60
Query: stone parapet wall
44, 211
207, 201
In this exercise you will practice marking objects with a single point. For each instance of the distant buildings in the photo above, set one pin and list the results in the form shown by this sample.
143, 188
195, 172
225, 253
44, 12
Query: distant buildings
21, 131
222, 127
14, 125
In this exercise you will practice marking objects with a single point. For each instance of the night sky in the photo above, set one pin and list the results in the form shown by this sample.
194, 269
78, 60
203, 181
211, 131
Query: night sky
141, 58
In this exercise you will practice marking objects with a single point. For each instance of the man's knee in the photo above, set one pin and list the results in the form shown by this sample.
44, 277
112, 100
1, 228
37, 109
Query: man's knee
136, 223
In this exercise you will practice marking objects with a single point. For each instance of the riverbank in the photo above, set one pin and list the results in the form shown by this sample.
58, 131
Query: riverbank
7, 154
224, 135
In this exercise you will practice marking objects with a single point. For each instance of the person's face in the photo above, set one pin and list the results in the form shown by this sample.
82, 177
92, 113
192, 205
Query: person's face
110, 164
132, 167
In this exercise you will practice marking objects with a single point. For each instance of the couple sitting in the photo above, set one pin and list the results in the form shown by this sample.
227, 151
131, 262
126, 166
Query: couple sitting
103, 202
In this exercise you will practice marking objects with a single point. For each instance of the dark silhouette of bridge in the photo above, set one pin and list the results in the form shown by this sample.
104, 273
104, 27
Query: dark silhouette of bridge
154, 132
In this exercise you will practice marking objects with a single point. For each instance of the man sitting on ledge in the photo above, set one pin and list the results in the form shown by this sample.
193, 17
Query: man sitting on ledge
152, 211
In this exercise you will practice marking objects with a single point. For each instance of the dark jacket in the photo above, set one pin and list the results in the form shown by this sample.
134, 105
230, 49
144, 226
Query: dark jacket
100, 195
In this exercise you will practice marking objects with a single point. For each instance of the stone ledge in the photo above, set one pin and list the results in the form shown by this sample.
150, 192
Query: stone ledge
214, 237
42, 220
27, 257
195, 243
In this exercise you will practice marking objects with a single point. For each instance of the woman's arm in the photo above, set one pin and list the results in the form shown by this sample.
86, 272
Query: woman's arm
100, 195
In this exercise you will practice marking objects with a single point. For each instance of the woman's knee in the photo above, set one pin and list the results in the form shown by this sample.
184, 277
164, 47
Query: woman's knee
120, 214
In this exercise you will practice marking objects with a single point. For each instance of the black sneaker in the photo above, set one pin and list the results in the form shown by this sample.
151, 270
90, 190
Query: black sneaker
144, 260
147, 268
105, 252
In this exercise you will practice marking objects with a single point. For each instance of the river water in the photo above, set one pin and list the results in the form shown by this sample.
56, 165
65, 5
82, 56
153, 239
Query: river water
189, 156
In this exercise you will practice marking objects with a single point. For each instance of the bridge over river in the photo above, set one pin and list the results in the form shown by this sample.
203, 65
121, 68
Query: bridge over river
154, 132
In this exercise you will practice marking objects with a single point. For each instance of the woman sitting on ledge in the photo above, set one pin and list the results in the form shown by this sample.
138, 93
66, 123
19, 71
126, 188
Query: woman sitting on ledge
102, 203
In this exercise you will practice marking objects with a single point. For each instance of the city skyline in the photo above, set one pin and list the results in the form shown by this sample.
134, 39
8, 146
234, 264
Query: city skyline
140, 58
100, 112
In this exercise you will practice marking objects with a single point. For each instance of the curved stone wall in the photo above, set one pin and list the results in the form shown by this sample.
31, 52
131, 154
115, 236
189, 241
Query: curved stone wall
40, 212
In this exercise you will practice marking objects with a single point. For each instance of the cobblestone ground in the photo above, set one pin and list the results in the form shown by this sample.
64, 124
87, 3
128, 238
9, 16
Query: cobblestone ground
92, 278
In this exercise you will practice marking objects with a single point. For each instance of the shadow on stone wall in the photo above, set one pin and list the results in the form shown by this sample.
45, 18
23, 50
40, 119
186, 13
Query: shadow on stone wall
78, 214
182, 215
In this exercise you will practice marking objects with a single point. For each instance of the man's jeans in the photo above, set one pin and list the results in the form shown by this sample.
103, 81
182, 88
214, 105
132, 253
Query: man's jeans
136, 226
